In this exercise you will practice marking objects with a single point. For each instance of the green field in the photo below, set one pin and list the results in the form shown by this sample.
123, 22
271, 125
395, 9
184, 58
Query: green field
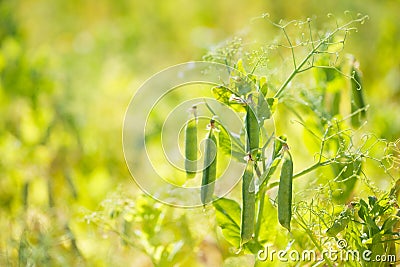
69, 69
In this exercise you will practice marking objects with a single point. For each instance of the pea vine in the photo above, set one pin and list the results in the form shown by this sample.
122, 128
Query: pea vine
336, 80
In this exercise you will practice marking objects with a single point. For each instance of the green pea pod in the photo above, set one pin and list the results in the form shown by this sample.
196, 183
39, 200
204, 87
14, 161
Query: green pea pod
339, 224
209, 172
191, 147
253, 131
248, 210
335, 106
357, 95
285, 191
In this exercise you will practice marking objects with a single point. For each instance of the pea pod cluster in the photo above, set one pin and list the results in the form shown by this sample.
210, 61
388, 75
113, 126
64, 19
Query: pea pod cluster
248, 194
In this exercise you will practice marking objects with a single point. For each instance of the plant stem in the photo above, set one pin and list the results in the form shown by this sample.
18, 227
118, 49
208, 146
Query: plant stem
305, 171
309, 55
296, 70
311, 168
311, 236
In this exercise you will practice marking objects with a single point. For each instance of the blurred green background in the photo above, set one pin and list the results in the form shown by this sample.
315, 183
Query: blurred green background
67, 72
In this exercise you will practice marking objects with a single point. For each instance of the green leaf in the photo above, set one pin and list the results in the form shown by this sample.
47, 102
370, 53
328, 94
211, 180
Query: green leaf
252, 78
268, 224
243, 85
252, 247
377, 247
388, 224
339, 224
224, 95
273, 104
365, 216
262, 83
372, 200
263, 109
228, 214
230, 144
239, 67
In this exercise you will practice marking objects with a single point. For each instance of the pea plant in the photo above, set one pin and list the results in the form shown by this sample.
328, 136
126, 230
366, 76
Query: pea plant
301, 177
145, 226
332, 108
